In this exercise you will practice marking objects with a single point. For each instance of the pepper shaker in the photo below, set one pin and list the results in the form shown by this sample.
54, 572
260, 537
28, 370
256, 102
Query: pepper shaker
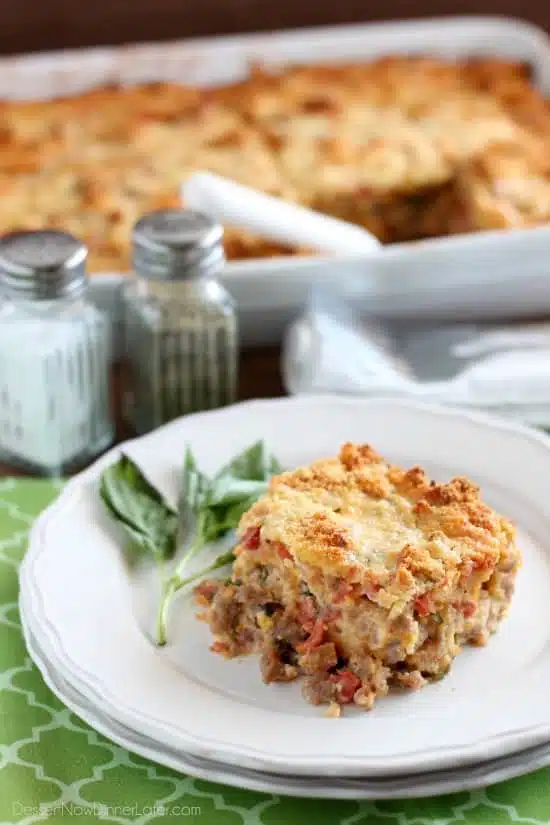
180, 321
54, 356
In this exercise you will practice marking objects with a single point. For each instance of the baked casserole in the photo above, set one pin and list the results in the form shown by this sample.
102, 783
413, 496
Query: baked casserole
407, 147
361, 576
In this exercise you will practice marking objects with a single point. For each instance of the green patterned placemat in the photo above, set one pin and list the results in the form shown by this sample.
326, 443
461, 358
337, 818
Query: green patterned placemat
54, 767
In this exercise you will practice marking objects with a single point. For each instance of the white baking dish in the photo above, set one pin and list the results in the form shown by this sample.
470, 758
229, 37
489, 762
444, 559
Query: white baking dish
485, 274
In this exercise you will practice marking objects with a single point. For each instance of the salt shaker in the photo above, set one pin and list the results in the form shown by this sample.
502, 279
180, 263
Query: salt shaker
180, 322
54, 356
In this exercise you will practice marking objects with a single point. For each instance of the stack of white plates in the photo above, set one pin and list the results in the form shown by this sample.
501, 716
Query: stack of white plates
87, 618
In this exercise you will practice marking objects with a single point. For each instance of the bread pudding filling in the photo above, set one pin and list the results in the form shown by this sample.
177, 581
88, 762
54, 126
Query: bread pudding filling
393, 608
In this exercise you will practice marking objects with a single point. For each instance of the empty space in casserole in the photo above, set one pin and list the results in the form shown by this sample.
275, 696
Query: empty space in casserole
505, 187
361, 576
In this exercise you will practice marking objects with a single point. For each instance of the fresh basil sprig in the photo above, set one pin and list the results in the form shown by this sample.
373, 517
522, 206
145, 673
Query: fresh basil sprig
216, 505
208, 509
139, 508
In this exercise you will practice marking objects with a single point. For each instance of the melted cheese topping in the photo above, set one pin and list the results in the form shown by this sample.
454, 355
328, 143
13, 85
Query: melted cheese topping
378, 536
359, 513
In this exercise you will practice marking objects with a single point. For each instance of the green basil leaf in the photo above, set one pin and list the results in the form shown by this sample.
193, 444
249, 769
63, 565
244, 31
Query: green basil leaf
194, 485
213, 525
138, 540
217, 506
234, 513
146, 543
139, 508
274, 467
129, 470
235, 489
220, 520
253, 464
228, 490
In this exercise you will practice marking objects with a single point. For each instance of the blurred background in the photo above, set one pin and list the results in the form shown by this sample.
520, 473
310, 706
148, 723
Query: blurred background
467, 128
54, 24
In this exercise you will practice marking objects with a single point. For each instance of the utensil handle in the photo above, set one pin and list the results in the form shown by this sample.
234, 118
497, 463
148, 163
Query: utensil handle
274, 218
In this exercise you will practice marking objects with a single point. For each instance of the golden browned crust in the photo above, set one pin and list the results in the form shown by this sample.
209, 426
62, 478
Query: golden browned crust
387, 144
362, 519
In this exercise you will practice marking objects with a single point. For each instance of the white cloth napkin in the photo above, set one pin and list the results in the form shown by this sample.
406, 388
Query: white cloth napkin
504, 369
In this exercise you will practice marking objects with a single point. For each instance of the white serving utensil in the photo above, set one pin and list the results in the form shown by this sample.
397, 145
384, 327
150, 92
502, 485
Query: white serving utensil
273, 218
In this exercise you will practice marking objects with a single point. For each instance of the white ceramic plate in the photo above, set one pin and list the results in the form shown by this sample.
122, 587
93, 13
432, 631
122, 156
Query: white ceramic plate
96, 617
400, 787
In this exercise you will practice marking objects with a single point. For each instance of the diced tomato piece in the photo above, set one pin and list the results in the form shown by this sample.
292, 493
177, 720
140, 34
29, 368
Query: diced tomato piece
251, 538
306, 613
343, 590
316, 637
347, 683
472, 566
281, 550
331, 614
424, 605
219, 647
317, 634
205, 591
466, 608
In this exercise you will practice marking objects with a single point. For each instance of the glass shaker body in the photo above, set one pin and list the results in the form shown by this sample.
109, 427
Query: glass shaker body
54, 355
54, 384
180, 321
181, 342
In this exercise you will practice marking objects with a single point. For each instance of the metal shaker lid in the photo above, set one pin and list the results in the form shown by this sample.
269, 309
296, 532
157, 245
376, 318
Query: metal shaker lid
177, 244
42, 265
